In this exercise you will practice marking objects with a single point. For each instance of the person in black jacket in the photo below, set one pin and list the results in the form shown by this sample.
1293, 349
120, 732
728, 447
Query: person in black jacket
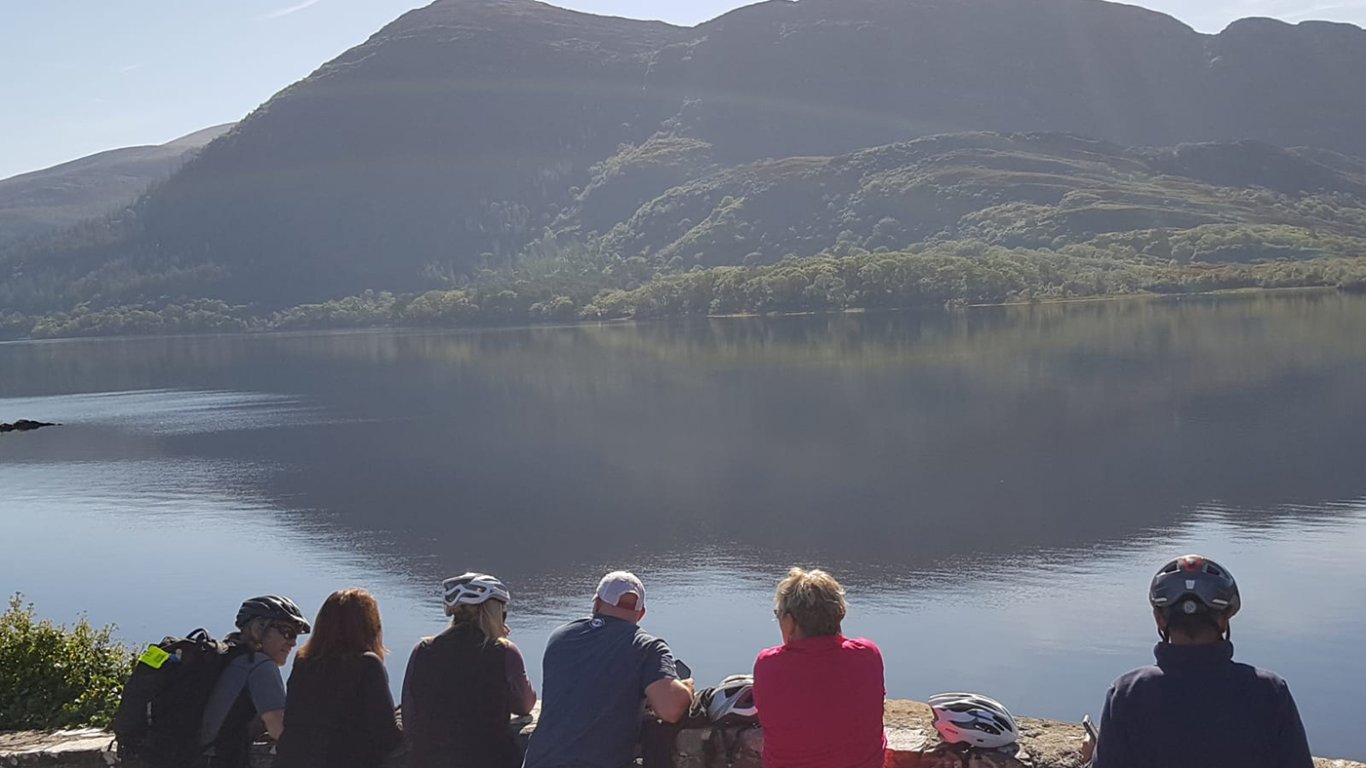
463, 686
1197, 706
339, 712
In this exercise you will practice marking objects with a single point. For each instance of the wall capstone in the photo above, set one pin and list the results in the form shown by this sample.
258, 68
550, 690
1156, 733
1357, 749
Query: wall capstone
912, 743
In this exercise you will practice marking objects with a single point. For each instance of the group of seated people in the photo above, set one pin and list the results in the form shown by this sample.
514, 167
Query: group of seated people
818, 696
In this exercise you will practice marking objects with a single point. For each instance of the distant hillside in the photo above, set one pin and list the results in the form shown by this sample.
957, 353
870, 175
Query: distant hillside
1023, 190
950, 219
478, 137
38, 202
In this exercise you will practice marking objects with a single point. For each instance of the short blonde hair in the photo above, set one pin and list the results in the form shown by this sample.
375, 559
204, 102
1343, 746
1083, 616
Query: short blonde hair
813, 599
489, 616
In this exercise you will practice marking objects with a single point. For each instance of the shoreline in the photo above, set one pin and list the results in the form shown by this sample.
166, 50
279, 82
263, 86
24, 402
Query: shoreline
1135, 297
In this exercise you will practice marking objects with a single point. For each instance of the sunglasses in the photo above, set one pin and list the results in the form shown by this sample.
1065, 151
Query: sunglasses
287, 632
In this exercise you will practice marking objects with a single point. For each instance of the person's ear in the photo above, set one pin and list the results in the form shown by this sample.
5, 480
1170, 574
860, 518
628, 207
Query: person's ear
1160, 619
640, 614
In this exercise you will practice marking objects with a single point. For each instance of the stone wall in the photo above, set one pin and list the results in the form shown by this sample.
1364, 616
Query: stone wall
912, 743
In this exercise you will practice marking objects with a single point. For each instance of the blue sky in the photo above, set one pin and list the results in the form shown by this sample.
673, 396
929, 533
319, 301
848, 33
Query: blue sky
81, 76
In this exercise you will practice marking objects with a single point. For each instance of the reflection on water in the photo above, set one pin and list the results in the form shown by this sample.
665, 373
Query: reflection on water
994, 487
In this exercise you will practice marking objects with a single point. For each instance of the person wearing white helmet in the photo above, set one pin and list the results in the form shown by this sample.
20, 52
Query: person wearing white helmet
463, 685
598, 674
1196, 705
820, 694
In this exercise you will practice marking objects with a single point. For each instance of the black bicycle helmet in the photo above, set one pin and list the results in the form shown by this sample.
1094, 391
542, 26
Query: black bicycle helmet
1195, 584
273, 608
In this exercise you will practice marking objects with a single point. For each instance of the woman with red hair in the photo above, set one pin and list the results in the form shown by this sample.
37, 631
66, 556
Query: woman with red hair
339, 712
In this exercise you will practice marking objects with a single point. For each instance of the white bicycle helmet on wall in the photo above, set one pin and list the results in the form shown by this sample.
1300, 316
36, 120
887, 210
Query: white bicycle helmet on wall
972, 719
473, 589
733, 698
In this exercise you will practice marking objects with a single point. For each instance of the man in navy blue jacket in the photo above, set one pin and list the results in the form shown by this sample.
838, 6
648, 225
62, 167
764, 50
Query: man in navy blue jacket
1197, 706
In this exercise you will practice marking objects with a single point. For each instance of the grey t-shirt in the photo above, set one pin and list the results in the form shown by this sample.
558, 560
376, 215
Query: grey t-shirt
257, 674
595, 674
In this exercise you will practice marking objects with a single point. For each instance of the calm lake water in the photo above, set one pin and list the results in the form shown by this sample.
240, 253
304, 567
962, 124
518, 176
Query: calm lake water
994, 487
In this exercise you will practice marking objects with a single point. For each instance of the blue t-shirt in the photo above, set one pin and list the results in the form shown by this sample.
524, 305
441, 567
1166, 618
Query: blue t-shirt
255, 673
595, 674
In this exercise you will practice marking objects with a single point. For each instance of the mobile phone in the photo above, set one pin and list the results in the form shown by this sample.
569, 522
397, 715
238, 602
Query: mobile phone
1089, 726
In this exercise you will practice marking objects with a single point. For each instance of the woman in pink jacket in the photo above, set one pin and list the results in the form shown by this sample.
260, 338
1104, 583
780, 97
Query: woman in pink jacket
819, 694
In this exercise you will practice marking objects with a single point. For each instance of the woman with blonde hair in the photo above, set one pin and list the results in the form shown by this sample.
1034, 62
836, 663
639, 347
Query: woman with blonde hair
820, 694
339, 712
463, 685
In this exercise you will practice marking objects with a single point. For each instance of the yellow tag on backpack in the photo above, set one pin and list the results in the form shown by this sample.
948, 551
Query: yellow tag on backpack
154, 657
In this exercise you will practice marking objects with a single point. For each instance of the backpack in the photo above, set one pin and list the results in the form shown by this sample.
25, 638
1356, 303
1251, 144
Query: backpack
158, 719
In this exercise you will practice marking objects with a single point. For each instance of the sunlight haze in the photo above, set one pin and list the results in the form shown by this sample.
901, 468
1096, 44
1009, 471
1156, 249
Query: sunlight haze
98, 76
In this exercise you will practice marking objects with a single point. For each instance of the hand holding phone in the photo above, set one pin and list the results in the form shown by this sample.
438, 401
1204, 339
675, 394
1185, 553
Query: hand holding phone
1088, 744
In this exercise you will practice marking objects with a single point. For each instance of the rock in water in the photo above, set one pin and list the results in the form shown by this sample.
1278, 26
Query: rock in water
25, 425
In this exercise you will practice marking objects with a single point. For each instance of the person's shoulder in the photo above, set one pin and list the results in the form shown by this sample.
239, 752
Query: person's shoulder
420, 649
577, 625
241, 661
645, 643
644, 638
262, 672
769, 653
1264, 677
768, 656
566, 635
861, 645
372, 666
253, 661
1137, 678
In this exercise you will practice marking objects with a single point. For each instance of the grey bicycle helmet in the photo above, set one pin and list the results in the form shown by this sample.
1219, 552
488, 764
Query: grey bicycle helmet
732, 698
272, 608
473, 589
1195, 584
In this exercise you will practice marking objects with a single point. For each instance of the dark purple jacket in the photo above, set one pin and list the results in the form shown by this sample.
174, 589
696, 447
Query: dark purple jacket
1198, 706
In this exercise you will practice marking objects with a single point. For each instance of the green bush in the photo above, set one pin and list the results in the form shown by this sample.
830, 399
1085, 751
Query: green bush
55, 677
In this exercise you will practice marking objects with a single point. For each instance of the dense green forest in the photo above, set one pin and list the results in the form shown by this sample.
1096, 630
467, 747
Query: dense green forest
947, 274
941, 221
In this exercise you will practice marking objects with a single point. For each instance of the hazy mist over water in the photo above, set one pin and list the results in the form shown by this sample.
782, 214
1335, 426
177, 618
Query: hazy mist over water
994, 487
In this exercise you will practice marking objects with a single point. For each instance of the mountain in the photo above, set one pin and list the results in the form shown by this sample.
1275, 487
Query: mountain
1013, 190
469, 131
39, 202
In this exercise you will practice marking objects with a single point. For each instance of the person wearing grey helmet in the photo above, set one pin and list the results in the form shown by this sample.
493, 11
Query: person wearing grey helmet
251, 686
1196, 705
